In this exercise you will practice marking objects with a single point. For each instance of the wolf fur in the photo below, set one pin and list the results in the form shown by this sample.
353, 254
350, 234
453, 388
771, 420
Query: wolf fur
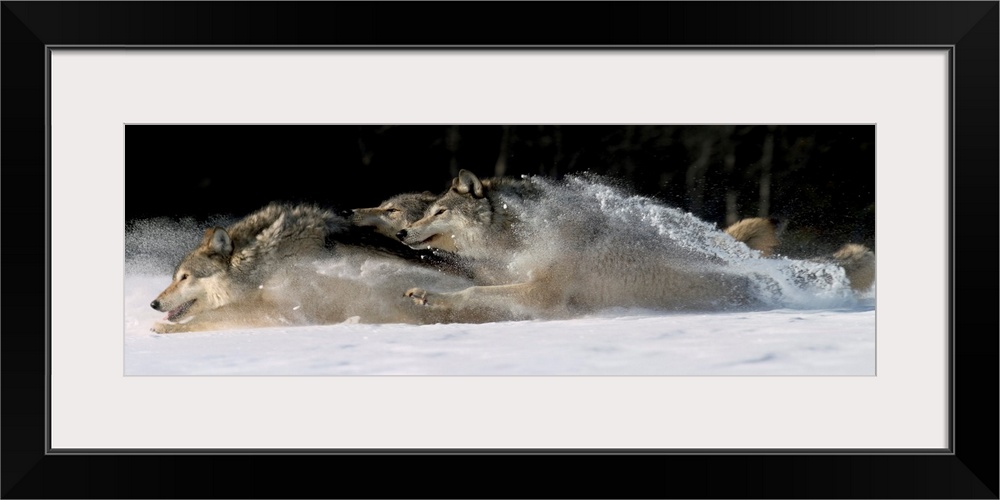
761, 233
475, 218
397, 212
231, 262
291, 265
480, 249
758, 233
559, 263
393, 214
858, 262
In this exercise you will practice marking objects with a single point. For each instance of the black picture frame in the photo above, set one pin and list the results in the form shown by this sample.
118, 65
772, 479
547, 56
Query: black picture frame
969, 470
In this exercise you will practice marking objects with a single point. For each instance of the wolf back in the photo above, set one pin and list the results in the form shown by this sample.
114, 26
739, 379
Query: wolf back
262, 271
561, 264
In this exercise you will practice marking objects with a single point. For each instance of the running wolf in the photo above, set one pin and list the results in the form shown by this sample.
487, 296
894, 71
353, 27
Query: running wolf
558, 261
290, 265
560, 249
401, 211
474, 218
397, 212
232, 262
393, 214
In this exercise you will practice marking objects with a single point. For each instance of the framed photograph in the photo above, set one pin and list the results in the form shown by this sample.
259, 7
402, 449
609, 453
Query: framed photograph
619, 200
809, 174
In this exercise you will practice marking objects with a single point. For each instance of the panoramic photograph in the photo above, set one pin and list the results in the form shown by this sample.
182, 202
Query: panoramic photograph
505, 250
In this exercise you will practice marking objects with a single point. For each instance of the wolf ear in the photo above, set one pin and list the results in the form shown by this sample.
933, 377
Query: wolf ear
217, 240
466, 183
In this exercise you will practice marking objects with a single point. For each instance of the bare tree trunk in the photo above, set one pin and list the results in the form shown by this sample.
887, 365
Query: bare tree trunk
728, 168
366, 153
451, 139
766, 158
557, 160
695, 179
629, 166
732, 207
501, 167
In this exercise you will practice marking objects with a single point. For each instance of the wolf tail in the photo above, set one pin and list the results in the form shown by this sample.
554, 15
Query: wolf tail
758, 233
858, 263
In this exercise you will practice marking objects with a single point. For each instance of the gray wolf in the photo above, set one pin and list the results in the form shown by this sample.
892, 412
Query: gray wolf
393, 214
397, 212
474, 218
232, 262
291, 265
563, 252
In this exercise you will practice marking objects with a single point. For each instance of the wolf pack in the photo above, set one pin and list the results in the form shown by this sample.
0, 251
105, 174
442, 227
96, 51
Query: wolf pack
487, 250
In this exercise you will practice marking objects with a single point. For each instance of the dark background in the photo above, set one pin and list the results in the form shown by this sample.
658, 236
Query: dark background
818, 178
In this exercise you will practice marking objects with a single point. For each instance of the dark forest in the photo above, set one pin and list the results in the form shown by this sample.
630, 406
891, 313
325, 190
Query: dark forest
818, 180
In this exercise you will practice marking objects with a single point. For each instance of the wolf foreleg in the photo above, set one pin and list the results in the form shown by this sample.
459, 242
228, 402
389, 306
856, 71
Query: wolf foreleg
163, 327
519, 300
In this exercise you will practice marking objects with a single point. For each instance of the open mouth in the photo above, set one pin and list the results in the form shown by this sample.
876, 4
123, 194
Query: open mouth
179, 311
438, 241
425, 241
436, 238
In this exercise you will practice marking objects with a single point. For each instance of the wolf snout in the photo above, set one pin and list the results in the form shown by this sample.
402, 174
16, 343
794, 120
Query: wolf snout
401, 235
155, 305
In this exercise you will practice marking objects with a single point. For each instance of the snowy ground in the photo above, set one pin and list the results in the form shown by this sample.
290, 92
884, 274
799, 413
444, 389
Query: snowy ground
817, 325
779, 342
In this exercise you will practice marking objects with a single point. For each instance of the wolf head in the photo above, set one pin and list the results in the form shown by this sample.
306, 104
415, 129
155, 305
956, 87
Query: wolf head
232, 261
202, 280
393, 214
461, 221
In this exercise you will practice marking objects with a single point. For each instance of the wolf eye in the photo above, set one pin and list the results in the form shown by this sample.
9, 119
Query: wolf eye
441, 211
183, 277
391, 210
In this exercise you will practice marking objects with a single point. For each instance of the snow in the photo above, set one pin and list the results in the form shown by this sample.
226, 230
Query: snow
839, 341
813, 323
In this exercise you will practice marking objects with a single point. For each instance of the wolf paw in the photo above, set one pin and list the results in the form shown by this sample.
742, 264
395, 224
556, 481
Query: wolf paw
159, 327
419, 296
438, 301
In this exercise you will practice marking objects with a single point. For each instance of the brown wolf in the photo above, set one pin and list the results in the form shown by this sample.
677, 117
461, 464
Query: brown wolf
760, 233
